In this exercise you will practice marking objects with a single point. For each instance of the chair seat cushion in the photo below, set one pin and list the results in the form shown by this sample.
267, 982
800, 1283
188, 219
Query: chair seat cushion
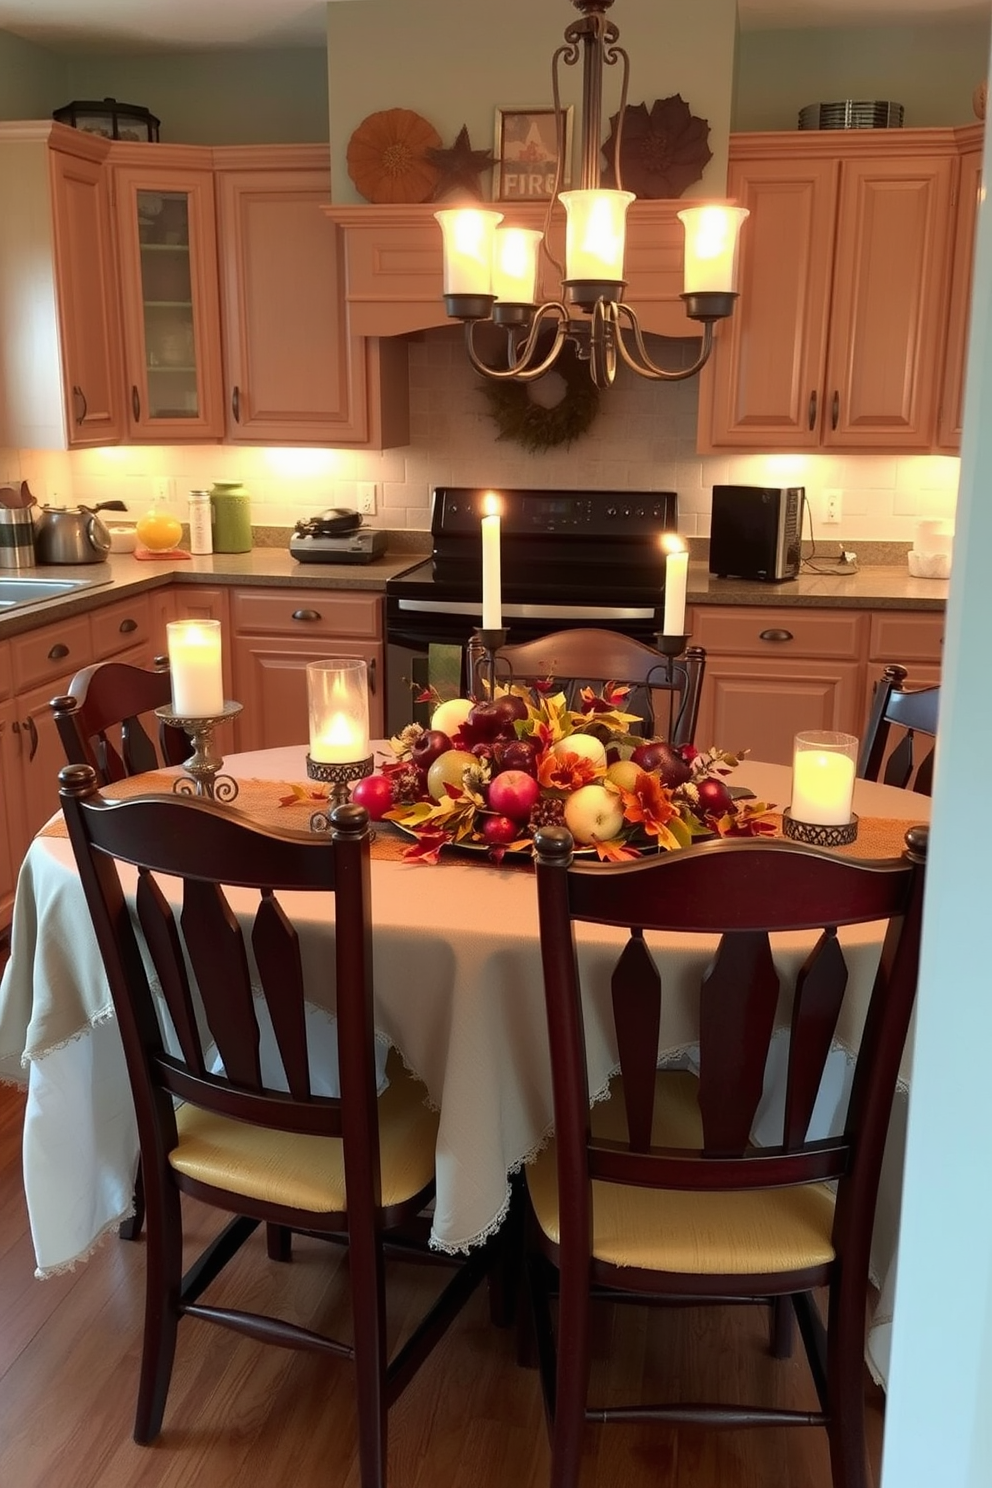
303, 1171
679, 1231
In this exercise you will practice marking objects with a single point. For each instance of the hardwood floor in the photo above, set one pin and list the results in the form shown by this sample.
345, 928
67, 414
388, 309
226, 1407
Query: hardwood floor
243, 1413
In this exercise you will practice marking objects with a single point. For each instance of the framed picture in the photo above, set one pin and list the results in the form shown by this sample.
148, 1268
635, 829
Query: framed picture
527, 153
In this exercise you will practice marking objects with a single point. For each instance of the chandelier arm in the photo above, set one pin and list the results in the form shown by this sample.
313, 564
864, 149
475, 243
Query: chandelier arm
642, 364
604, 333
519, 370
570, 55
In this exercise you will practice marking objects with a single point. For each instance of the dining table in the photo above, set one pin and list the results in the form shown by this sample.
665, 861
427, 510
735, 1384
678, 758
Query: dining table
458, 993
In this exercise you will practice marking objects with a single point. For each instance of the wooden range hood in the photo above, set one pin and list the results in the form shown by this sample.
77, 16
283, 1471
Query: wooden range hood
392, 259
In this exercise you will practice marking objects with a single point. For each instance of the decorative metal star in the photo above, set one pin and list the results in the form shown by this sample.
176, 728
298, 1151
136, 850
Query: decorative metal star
460, 167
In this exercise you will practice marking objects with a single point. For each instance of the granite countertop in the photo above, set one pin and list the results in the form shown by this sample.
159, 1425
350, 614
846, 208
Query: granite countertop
882, 586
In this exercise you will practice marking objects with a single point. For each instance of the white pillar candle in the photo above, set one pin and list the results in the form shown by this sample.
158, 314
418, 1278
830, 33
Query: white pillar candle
195, 666
823, 779
338, 698
492, 603
676, 582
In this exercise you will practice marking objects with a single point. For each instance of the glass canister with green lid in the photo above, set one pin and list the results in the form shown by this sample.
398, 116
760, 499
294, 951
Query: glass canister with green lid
230, 516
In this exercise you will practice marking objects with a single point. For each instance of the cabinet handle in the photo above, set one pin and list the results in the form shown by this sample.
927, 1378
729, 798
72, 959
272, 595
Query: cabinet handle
126, 626
58, 651
835, 411
811, 415
135, 404
32, 731
306, 615
80, 396
236, 403
372, 676
776, 635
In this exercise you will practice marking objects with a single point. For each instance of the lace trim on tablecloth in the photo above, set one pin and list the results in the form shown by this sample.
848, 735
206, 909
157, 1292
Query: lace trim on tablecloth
45, 1273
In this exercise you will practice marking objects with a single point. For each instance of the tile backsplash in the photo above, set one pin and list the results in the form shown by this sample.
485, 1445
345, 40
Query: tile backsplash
643, 438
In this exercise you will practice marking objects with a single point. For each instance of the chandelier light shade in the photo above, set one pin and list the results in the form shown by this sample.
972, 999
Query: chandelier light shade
491, 271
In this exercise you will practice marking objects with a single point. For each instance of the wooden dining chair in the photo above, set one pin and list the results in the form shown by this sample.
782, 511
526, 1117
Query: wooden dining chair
574, 659
659, 1192
99, 720
355, 1167
911, 712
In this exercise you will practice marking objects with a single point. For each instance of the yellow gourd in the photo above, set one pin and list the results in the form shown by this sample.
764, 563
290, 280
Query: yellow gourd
158, 531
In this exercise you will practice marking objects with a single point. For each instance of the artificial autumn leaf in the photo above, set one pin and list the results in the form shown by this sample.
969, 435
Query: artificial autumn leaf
303, 795
389, 157
615, 850
749, 819
662, 151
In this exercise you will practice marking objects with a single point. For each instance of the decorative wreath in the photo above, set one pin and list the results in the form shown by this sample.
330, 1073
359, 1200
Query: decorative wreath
389, 157
518, 416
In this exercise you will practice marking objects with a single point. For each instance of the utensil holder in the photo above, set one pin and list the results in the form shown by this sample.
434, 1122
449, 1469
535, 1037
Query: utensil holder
16, 538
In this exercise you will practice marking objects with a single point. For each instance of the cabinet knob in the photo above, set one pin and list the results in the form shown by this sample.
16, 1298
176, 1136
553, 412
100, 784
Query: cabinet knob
82, 407
236, 403
135, 404
835, 410
30, 728
126, 626
372, 676
811, 415
306, 614
776, 635
58, 651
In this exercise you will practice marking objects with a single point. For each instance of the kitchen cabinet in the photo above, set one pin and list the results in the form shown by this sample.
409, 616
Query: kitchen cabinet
60, 355
296, 371
167, 249
276, 633
772, 673
951, 414
836, 342
913, 640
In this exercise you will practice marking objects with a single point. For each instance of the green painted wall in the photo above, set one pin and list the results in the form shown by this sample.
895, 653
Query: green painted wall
32, 79
931, 69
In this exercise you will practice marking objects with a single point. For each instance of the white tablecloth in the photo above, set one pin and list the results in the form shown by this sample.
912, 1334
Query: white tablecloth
458, 991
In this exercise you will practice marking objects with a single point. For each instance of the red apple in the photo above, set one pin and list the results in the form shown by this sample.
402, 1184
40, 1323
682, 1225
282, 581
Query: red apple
513, 793
484, 722
428, 746
375, 793
519, 754
500, 829
714, 797
660, 759
509, 707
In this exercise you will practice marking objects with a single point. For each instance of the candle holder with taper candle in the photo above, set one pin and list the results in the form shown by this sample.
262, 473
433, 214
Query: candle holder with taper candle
339, 754
203, 777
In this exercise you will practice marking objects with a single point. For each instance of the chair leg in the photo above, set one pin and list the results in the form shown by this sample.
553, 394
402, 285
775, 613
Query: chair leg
369, 1322
846, 1389
573, 1362
781, 1328
130, 1229
505, 1276
163, 1278
278, 1242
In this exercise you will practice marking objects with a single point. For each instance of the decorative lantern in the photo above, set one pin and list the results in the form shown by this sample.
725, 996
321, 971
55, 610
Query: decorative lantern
113, 120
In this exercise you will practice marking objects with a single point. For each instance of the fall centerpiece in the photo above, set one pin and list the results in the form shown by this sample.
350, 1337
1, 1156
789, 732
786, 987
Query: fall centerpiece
486, 775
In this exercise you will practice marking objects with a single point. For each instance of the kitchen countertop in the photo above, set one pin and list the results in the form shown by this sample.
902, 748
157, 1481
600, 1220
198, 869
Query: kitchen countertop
872, 587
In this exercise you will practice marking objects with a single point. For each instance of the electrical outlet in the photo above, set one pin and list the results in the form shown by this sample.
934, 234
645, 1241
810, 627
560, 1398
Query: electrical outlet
831, 506
367, 498
164, 488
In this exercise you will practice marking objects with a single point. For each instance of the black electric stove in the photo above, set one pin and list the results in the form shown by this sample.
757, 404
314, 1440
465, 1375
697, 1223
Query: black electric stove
568, 559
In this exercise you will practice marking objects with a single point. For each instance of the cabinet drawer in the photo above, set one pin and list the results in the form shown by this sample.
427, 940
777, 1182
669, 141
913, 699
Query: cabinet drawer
6, 675
120, 626
306, 612
54, 651
782, 631
905, 636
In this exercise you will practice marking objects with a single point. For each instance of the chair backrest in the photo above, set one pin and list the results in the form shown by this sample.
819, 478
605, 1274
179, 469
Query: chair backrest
910, 763
224, 954
574, 659
99, 720
741, 892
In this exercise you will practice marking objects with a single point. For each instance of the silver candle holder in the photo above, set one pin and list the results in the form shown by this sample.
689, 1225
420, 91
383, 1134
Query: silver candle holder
340, 777
202, 777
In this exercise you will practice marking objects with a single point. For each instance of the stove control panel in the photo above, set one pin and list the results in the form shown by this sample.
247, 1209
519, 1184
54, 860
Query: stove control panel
458, 510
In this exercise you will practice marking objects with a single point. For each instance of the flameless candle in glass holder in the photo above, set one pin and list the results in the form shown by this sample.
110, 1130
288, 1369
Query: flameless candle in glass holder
338, 696
823, 770
198, 705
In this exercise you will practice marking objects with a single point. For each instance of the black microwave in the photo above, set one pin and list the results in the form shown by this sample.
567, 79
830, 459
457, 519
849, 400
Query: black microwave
756, 532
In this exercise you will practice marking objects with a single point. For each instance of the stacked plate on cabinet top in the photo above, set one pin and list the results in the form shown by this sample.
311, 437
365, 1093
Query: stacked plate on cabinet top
852, 114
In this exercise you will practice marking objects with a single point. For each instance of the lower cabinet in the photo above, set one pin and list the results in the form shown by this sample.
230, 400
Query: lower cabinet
9, 806
276, 632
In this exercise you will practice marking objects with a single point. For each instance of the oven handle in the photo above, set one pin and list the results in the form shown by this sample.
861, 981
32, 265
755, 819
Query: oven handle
527, 612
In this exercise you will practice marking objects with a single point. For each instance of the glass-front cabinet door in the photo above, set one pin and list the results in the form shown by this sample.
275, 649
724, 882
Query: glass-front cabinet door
168, 254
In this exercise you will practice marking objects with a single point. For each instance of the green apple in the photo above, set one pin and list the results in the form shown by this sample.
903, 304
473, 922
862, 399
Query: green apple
624, 774
448, 769
587, 746
449, 716
593, 812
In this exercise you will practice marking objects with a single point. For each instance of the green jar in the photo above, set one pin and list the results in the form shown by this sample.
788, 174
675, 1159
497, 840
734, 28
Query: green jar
230, 517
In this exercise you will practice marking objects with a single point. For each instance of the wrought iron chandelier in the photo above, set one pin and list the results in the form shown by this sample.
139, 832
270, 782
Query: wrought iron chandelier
490, 272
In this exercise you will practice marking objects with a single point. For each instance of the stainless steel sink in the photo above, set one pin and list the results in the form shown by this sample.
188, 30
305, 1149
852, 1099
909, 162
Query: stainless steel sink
22, 591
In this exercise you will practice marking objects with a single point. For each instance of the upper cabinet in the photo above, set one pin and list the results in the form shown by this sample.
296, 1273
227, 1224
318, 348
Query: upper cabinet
295, 369
969, 192
167, 245
61, 383
838, 337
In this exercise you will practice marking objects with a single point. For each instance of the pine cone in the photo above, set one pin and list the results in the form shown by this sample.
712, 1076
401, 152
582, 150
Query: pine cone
547, 811
407, 784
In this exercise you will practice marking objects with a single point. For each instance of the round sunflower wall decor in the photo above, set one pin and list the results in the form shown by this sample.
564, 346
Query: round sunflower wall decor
522, 411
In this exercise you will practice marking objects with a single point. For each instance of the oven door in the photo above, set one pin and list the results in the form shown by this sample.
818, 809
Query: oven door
413, 626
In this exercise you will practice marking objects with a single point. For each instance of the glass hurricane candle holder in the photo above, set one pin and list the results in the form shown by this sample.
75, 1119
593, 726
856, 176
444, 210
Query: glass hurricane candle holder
340, 754
823, 769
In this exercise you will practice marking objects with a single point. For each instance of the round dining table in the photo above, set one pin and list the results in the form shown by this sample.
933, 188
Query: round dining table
458, 992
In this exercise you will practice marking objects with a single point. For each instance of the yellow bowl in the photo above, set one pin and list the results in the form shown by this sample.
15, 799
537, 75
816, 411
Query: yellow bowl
158, 531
